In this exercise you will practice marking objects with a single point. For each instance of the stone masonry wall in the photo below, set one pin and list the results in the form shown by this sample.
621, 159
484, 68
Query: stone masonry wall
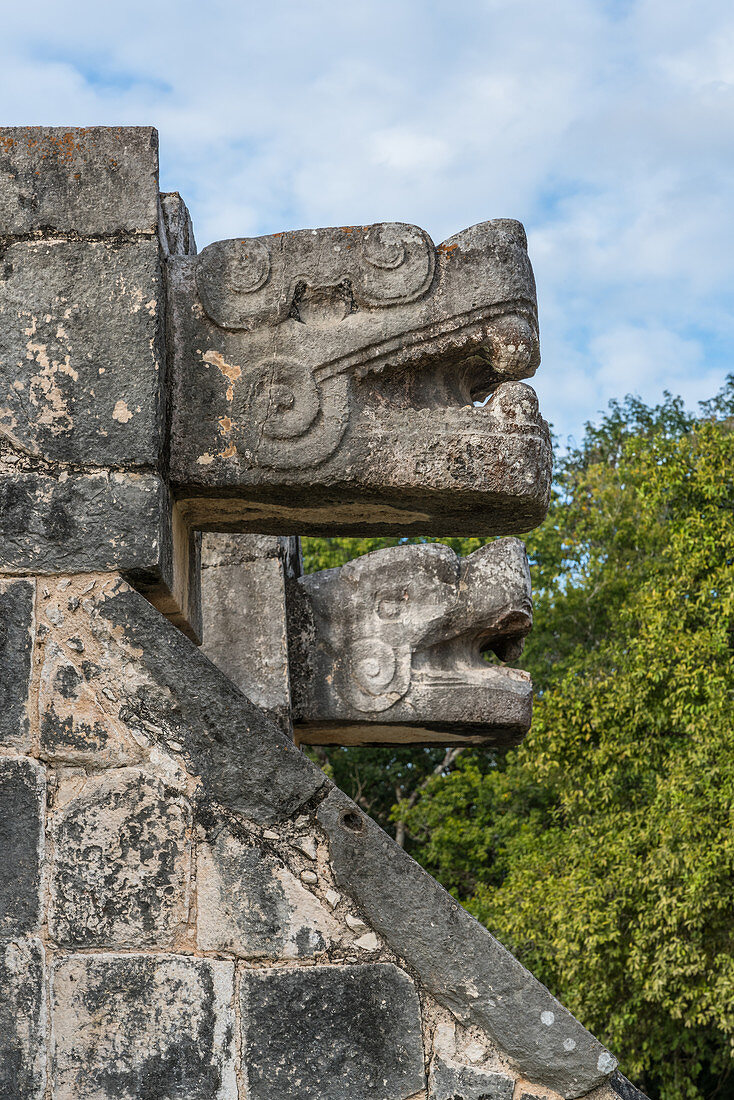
190, 910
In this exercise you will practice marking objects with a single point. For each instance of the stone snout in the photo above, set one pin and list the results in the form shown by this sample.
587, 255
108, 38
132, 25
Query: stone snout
359, 377
398, 642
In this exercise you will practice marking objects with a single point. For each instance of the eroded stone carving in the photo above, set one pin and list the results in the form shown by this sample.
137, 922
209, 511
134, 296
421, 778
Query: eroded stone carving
246, 283
390, 647
332, 375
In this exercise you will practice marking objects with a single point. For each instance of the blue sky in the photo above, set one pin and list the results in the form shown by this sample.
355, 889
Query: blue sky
606, 126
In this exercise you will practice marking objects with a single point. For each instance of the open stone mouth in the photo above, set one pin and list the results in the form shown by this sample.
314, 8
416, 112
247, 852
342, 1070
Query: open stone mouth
460, 372
468, 657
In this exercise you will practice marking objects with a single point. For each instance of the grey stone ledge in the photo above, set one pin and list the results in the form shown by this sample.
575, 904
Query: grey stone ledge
624, 1088
457, 959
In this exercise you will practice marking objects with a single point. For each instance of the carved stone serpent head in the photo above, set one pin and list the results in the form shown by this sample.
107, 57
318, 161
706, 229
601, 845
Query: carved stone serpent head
358, 375
400, 638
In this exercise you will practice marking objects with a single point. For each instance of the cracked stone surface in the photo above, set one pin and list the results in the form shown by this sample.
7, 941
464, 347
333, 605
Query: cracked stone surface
244, 760
77, 723
244, 609
448, 1082
108, 520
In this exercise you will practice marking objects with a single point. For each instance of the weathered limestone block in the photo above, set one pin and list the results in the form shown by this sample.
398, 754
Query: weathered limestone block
243, 759
143, 1027
82, 384
77, 722
94, 181
464, 1064
80, 362
22, 1020
244, 607
389, 647
329, 377
250, 904
331, 1032
449, 1082
122, 856
57, 523
457, 960
16, 651
22, 813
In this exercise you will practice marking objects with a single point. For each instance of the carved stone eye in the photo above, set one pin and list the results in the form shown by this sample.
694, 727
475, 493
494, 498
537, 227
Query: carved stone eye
384, 247
248, 267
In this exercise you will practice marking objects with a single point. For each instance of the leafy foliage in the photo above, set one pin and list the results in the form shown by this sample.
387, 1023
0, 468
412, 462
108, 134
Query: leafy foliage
602, 850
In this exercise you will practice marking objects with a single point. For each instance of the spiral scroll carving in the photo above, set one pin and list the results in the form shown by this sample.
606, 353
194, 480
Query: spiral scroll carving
293, 420
376, 674
228, 273
383, 247
285, 399
397, 263
246, 283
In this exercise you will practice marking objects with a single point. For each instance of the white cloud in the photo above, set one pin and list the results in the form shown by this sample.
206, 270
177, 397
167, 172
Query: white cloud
402, 150
606, 127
